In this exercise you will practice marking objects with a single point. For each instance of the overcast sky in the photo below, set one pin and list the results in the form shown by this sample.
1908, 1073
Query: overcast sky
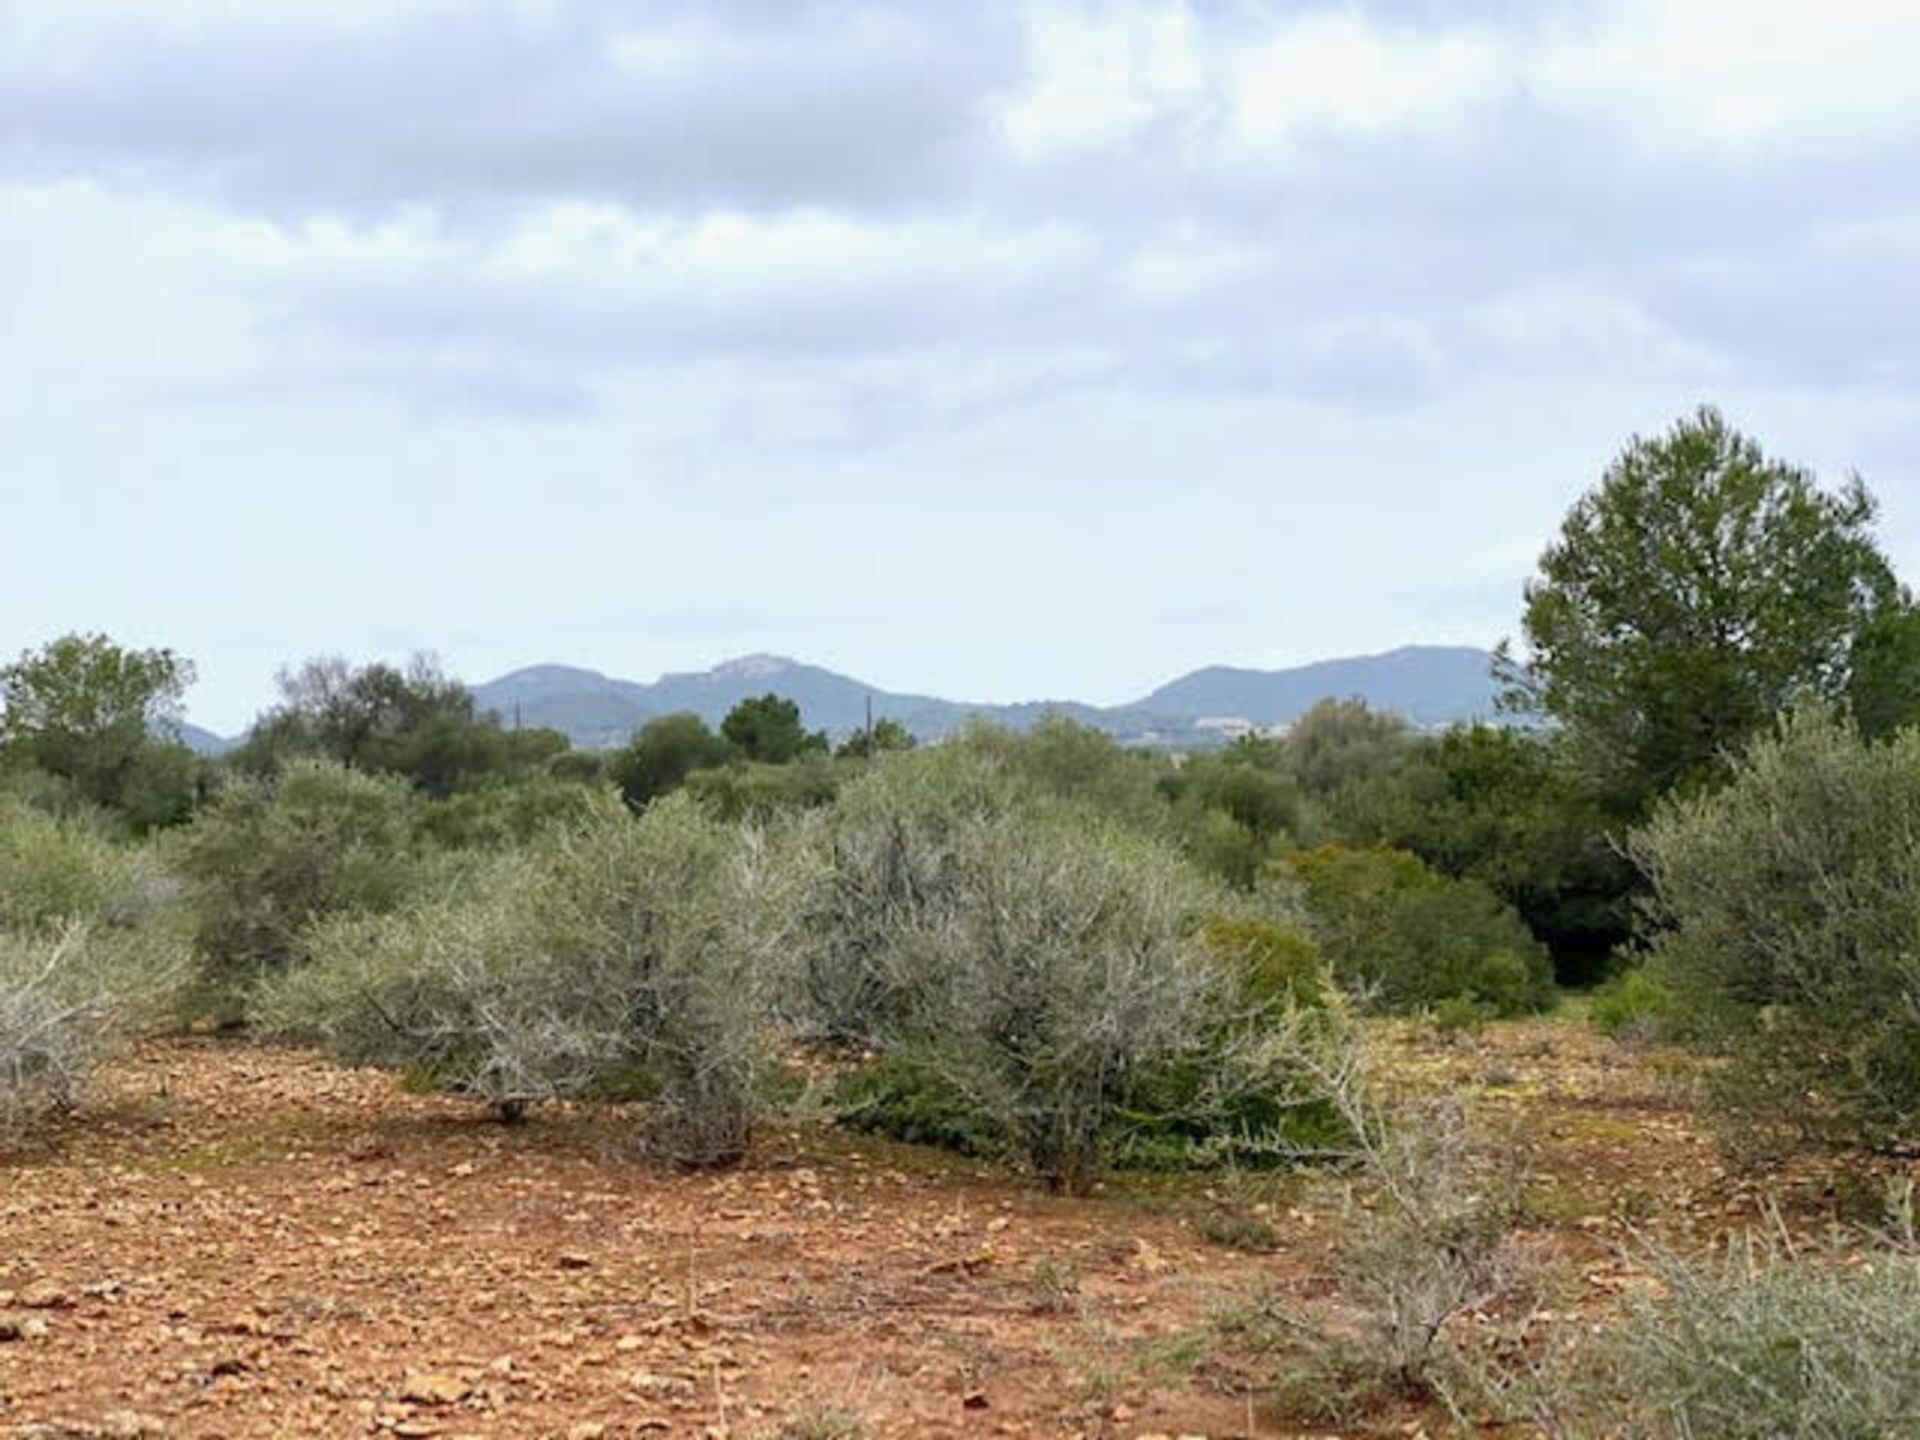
996, 351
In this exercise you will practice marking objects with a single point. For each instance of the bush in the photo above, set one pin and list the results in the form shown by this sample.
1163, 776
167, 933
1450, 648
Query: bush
1634, 1008
510, 813
52, 1019
56, 870
270, 858
1426, 1241
1762, 1342
1060, 982
1402, 937
1785, 921
654, 943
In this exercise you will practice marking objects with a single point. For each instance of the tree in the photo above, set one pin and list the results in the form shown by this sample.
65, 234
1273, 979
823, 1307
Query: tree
662, 753
1689, 597
1503, 806
418, 722
768, 728
882, 737
104, 718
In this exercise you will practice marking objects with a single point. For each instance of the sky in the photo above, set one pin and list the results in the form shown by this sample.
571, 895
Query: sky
996, 351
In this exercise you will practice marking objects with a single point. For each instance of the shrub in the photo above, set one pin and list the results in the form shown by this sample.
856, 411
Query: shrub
1634, 1008
654, 943
1059, 983
1763, 1341
270, 858
52, 1018
510, 813
1426, 1241
55, 870
1785, 921
64, 993
1402, 937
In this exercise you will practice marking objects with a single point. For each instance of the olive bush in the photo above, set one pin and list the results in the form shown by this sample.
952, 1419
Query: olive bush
657, 942
270, 858
1767, 1338
56, 1011
88, 948
1784, 925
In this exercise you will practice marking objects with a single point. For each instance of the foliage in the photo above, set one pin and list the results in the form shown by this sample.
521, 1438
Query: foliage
656, 943
767, 728
103, 718
1634, 1007
510, 813
53, 1018
1339, 744
756, 791
1060, 760
1401, 936
1426, 1240
1785, 920
1765, 1340
884, 736
1689, 597
56, 871
415, 722
269, 858
1505, 806
85, 950
1055, 977
663, 753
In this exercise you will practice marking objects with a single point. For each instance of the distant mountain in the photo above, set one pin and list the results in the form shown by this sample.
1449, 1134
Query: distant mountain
204, 742
1429, 685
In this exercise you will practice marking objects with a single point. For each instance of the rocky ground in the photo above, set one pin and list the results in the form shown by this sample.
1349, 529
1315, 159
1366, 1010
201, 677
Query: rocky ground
235, 1241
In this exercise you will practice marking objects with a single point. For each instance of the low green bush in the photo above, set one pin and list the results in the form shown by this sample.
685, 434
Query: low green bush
1402, 937
1767, 1340
269, 859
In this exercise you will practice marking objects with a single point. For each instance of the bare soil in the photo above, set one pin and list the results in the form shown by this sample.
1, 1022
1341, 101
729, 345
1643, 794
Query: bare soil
237, 1241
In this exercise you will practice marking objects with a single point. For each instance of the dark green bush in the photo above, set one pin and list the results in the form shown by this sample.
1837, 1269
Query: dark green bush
1402, 937
268, 859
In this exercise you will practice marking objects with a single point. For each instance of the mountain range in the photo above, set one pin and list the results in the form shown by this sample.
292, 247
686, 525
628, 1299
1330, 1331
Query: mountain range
1429, 685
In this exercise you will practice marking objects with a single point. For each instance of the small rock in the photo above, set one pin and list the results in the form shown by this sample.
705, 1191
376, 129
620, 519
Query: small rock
574, 1261
45, 1296
586, 1430
974, 1400
21, 1327
131, 1425
423, 1387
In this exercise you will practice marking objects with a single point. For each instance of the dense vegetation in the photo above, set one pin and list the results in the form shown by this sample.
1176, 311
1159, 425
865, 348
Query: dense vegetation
1046, 946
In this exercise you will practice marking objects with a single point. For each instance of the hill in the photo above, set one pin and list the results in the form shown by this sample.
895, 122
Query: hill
1430, 685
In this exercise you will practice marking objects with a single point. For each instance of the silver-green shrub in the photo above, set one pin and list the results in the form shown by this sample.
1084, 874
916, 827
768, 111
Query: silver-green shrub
1785, 929
655, 942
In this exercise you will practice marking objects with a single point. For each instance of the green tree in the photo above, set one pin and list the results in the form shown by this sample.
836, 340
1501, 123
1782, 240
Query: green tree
662, 753
884, 736
1505, 807
104, 718
417, 722
1689, 597
768, 728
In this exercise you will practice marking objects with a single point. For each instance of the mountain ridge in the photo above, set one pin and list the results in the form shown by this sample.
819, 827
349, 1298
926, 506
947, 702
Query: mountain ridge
1431, 685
